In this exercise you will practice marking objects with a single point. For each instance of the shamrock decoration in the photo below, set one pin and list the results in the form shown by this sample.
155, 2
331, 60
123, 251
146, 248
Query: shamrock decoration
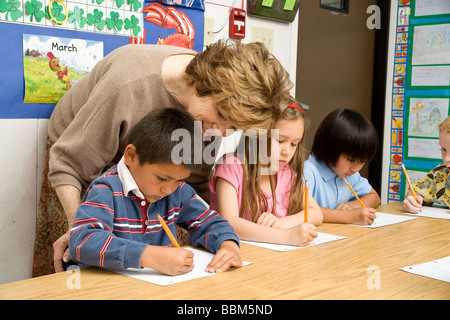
114, 23
57, 12
134, 4
34, 10
96, 19
133, 24
76, 17
119, 3
11, 8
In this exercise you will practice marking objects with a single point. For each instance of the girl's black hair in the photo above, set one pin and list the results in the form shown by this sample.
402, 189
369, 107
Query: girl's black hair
345, 131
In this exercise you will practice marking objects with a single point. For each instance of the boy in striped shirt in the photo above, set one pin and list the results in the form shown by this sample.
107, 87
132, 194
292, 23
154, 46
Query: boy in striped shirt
116, 225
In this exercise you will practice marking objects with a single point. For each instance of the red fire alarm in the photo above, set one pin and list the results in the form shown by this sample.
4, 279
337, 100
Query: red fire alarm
237, 23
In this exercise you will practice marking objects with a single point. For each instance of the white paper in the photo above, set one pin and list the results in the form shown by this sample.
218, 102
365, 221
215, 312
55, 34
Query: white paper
432, 212
201, 261
385, 219
431, 44
424, 148
321, 238
430, 76
437, 269
432, 7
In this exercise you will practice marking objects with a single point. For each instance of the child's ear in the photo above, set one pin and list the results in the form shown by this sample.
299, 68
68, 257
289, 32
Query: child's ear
130, 154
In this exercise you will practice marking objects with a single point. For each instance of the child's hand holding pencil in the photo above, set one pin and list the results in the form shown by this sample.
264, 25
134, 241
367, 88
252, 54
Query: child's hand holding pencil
167, 260
411, 205
170, 261
413, 202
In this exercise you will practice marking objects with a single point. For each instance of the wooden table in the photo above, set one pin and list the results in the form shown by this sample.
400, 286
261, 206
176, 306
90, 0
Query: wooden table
343, 269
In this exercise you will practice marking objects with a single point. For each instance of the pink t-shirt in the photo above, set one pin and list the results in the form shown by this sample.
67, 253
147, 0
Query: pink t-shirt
231, 170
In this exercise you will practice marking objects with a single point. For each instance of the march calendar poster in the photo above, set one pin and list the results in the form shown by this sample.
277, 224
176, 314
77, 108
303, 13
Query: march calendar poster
53, 65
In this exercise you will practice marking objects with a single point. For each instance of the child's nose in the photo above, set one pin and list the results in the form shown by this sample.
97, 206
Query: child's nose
284, 150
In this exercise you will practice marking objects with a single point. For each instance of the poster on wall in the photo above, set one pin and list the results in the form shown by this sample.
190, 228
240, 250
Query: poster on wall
176, 28
118, 17
431, 44
107, 21
423, 8
193, 4
430, 61
425, 115
420, 90
52, 65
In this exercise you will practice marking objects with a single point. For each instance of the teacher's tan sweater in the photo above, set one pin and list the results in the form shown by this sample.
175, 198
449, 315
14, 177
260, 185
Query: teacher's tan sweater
89, 126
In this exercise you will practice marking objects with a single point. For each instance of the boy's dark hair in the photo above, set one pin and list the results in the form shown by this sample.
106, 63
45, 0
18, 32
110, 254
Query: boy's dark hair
152, 137
345, 131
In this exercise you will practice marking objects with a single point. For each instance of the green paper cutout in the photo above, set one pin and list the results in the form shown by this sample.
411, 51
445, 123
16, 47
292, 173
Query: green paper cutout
57, 12
11, 8
76, 17
114, 23
34, 10
96, 19
134, 4
133, 24
119, 3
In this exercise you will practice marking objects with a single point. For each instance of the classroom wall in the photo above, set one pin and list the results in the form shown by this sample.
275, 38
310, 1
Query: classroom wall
334, 61
417, 92
22, 142
283, 43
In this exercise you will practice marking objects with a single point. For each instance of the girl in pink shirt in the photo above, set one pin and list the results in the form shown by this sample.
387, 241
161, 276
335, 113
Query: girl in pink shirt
264, 200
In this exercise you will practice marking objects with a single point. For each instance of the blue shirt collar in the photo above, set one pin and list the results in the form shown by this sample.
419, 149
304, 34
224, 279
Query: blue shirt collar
325, 171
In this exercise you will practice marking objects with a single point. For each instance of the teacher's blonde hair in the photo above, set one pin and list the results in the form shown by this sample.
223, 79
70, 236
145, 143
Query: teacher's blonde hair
247, 84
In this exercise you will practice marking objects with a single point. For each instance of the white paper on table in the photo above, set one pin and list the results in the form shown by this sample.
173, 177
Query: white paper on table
432, 212
436, 269
321, 238
385, 219
201, 261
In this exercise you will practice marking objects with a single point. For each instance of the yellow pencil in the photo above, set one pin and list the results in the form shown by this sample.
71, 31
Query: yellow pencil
409, 182
306, 200
354, 193
166, 228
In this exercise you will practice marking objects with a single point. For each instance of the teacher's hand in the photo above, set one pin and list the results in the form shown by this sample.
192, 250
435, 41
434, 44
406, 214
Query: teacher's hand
61, 252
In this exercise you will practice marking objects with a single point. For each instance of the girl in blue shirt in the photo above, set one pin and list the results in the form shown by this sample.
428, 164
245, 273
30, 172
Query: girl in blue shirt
343, 143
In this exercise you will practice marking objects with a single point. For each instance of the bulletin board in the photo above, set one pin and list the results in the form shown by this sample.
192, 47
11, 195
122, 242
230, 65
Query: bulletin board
420, 90
108, 24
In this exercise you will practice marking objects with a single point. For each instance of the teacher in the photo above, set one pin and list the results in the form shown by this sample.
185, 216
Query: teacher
228, 85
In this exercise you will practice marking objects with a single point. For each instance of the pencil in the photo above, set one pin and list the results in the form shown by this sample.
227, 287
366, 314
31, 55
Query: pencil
354, 193
409, 182
166, 228
306, 200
